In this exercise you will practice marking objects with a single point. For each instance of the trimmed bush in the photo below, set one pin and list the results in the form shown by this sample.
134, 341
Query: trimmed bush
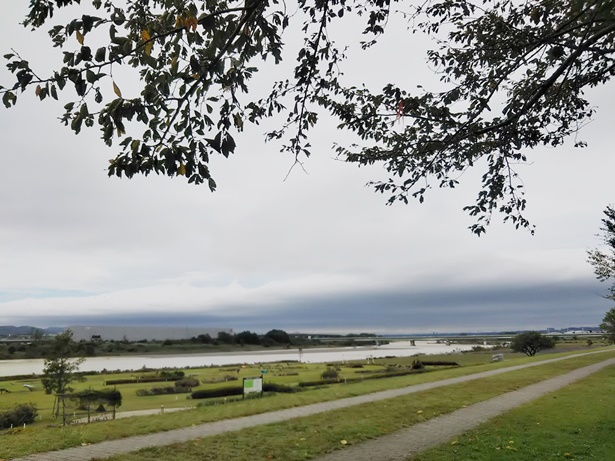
282, 388
329, 373
220, 392
163, 391
187, 382
320, 382
221, 379
144, 379
19, 415
440, 363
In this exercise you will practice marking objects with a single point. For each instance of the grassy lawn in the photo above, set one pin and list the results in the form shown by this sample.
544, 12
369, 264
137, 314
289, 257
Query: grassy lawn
288, 373
353, 425
575, 423
314, 436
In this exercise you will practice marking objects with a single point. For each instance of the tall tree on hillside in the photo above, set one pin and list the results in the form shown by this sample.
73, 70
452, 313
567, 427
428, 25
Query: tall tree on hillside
603, 261
514, 76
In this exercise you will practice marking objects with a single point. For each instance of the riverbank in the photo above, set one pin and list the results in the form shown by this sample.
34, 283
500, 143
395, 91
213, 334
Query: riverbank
311, 355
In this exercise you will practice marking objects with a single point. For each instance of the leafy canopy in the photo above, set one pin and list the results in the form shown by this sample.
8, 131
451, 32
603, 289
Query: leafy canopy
603, 262
60, 369
514, 76
531, 342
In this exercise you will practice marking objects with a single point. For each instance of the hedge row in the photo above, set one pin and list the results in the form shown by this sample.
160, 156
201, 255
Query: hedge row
220, 392
163, 391
229, 391
145, 379
440, 363
324, 382
282, 388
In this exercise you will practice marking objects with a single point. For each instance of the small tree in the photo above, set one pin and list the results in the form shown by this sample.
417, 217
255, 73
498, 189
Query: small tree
279, 336
60, 369
531, 342
247, 337
604, 268
608, 325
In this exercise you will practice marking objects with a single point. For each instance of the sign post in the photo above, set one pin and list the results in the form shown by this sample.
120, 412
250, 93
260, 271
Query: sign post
252, 385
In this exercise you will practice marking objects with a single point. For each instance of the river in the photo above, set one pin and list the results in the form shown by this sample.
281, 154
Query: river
313, 355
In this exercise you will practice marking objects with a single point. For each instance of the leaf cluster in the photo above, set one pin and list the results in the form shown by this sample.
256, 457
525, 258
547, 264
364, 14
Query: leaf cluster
514, 74
531, 342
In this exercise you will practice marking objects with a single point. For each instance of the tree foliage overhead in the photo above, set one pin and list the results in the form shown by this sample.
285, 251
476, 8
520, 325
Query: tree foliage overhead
514, 75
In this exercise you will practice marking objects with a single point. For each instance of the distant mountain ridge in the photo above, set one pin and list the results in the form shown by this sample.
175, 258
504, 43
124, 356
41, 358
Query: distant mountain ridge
6, 330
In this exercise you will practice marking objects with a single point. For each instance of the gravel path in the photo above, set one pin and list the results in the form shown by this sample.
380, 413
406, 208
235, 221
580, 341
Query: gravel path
393, 444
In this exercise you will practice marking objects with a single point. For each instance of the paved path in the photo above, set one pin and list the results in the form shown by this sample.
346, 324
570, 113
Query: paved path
407, 443
114, 447
94, 417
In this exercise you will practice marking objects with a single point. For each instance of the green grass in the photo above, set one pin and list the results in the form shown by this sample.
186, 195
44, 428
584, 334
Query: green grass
346, 424
278, 373
575, 423
314, 436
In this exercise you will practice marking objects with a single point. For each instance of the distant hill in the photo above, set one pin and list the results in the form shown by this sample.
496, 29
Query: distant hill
6, 330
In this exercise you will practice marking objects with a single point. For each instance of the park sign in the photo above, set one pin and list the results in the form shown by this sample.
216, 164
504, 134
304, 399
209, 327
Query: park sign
252, 385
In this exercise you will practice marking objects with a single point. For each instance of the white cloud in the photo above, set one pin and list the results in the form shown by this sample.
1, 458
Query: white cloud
74, 242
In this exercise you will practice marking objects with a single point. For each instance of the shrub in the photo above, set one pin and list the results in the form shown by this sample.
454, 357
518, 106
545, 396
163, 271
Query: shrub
329, 373
220, 392
163, 391
174, 374
282, 388
221, 379
187, 382
19, 415
321, 382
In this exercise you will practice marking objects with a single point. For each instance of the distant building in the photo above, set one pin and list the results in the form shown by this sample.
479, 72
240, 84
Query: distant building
128, 333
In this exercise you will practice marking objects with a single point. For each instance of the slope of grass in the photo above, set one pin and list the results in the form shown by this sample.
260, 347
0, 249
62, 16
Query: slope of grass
313, 436
575, 423
391, 416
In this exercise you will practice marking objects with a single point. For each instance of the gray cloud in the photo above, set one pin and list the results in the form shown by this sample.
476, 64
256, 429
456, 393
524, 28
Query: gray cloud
315, 251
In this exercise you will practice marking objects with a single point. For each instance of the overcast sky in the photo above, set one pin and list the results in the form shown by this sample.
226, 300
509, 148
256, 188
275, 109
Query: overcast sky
317, 251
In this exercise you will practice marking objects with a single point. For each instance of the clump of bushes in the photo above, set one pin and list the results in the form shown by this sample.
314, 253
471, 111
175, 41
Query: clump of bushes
163, 391
221, 379
159, 378
19, 415
187, 382
282, 388
220, 392
329, 373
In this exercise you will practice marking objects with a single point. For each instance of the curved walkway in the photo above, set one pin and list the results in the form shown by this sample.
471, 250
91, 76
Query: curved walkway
407, 445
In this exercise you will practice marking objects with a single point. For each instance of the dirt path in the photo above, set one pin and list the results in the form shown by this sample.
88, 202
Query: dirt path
403, 445
378, 449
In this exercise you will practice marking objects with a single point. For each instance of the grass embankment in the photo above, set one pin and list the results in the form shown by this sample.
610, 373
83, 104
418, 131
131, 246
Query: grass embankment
304, 437
287, 373
575, 423
314, 436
